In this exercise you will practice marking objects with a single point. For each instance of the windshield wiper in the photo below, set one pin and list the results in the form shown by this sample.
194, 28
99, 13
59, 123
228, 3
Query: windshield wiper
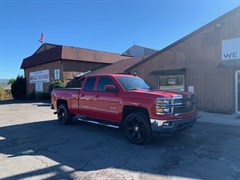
133, 89
138, 88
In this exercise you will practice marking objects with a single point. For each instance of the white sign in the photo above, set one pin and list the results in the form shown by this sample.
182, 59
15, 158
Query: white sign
39, 87
191, 89
231, 49
39, 76
56, 74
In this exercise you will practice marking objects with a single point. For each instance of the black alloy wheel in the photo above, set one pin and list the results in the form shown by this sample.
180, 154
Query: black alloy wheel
64, 116
137, 128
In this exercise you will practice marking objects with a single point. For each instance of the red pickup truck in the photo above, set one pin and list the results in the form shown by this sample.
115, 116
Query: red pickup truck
118, 100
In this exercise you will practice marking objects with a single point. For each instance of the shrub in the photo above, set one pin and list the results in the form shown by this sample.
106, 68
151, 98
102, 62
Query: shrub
42, 96
55, 84
5, 94
31, 95
2, 93
18, 88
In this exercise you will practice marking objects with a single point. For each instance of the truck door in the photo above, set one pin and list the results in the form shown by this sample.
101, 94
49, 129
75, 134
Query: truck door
107, 104
87, 98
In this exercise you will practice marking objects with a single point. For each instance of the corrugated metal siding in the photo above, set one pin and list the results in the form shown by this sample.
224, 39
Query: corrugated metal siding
200, 54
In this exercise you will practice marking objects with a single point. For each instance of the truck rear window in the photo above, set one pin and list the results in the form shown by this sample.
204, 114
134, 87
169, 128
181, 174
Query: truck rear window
89, 86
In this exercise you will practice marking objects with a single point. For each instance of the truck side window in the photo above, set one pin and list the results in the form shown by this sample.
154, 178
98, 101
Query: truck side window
89, 86
103, 82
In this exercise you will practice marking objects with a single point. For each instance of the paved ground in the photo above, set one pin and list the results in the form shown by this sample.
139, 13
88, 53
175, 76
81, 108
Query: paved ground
34, 146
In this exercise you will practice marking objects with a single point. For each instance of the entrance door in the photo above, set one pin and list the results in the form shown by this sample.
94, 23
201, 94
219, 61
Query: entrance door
237, 91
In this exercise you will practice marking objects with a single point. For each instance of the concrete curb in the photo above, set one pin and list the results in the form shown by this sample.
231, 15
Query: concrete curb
219, 118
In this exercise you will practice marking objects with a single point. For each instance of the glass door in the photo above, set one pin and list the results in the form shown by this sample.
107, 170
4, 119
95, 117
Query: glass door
237, 91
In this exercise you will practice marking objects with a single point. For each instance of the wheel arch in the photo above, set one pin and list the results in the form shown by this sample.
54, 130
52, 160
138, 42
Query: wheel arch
133, 109
61, 101
137, 126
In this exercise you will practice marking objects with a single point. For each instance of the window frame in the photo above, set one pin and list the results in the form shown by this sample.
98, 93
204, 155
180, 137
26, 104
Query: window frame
182, 88
106, 84
95, 80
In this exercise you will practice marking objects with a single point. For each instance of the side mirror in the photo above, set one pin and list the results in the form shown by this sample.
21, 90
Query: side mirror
110, 88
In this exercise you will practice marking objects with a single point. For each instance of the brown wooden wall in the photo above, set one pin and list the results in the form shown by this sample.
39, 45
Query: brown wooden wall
68, 70
51, 66
200, 54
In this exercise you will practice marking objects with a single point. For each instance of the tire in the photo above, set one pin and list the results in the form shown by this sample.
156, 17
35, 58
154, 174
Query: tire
137, 128
63, 114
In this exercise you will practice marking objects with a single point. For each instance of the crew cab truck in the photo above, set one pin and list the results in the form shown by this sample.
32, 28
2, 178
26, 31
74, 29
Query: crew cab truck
118, 100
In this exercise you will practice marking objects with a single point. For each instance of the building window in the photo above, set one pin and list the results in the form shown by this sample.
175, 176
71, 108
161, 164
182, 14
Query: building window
39, 87
56, 74
171, 82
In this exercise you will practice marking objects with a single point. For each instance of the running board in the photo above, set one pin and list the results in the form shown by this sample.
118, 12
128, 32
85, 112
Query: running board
98, 123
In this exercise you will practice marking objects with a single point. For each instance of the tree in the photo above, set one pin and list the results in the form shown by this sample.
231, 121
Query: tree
56, 84
18, 88
11, 81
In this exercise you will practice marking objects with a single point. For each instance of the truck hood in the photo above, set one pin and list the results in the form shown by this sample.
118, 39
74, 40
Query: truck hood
160, 93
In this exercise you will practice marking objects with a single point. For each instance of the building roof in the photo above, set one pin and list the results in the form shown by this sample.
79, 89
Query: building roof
134, 51
72, 53
137, 46
116, 68
119, 67
50, 52
235, 10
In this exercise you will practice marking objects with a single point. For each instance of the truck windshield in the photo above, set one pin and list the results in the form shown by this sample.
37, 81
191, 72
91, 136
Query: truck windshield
132, 83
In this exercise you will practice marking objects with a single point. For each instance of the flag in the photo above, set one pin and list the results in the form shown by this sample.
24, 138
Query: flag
41, 40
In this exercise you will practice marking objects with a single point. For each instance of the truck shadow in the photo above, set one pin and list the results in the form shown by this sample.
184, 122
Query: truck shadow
13, 101
86, 148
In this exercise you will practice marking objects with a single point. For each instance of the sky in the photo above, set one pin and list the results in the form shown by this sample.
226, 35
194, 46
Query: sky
104, 25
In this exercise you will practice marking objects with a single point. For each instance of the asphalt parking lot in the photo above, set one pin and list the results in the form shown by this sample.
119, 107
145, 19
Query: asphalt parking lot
34, 146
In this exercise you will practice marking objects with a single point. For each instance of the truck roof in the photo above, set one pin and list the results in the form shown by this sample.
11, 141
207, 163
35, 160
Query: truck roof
112, 75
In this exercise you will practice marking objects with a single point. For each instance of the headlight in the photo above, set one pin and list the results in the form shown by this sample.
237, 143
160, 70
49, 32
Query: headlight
163, 110
163, 101
163, 106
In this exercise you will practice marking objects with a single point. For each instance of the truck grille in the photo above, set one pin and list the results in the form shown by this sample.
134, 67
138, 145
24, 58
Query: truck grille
183, 105
177, 105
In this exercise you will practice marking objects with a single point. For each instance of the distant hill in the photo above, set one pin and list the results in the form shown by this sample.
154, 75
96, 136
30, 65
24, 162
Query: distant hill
3, 82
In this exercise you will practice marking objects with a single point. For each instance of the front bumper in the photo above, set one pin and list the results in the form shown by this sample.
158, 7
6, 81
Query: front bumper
171, 126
